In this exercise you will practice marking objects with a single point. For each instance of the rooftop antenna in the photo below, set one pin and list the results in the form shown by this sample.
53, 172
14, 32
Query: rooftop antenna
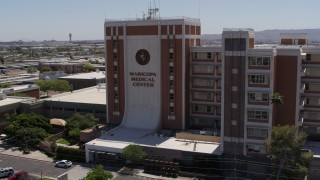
152, 12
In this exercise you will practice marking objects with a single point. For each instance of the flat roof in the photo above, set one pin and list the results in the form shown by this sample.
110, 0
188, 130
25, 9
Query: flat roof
116, 140
91, 75
92, 95
12, 100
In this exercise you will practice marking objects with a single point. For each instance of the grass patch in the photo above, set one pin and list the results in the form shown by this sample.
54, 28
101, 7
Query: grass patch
63, 141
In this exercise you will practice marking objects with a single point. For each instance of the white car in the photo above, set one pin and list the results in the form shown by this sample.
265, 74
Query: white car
6, 172
63, 163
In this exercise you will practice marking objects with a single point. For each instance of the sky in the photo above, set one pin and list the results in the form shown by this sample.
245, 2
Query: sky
39, 20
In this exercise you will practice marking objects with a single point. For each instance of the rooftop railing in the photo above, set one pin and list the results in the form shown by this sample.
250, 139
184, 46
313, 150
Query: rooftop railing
155, 19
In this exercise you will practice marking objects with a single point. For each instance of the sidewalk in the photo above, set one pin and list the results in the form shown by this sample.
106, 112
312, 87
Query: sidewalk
14, 151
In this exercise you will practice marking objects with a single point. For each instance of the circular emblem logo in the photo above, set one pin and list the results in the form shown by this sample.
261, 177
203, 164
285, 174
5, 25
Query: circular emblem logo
142, 57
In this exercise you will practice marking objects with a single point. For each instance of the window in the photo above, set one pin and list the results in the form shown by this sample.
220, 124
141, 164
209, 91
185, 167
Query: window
171, 96
116, 95
258, 97
171, 109
259, 79
200, 69
171, 83
114, 43
218, 68
258, 114
227, 44
171, 42
218, 96
308, 57
115, 69
256, 148
307, 100
195, 55
202, 96
115, 56
306, 86
196, 108
257, 132
115, 81
171, 56
208, 55
171, 69
202, 82
208, 109
242, 44
218, 110
259, 61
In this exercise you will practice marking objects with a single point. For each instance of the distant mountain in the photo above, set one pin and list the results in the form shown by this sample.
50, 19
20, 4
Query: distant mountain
272, 35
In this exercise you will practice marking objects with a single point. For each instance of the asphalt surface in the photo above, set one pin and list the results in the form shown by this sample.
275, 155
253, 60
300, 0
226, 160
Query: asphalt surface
31, 166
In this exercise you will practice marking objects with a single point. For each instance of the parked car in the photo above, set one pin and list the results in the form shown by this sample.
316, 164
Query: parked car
19, 175
6, 172
3, 136
63, 163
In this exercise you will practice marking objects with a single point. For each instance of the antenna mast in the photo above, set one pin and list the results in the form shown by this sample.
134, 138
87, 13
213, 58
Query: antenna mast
152, 12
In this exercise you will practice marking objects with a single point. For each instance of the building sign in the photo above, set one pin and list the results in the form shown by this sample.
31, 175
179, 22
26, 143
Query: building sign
143, 79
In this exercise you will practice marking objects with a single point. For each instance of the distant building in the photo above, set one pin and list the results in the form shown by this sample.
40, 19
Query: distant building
84, 80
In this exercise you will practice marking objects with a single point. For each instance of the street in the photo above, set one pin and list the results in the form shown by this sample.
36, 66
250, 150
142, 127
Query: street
31, 166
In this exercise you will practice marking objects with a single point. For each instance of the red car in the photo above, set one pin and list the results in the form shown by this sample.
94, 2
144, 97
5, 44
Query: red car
19, 175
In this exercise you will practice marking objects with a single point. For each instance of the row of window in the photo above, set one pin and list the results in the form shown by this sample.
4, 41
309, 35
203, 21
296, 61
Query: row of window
259, 61
207, 56
258, 115
257, 132
258, 97
116, 106
209, 83
203, 108
259, 79
200, 121
205, 69
171, 81
206, 96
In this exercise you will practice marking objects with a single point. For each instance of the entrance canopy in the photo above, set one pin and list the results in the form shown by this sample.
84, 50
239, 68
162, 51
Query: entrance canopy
58, 122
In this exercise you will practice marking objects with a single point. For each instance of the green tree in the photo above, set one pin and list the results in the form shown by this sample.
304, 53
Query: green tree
60, 85
29, 129
74, 134
2, 59
133, 153
81, 121
285, 150
98, 173
88, 67
31, 120
53, 85
31, 136
5, 85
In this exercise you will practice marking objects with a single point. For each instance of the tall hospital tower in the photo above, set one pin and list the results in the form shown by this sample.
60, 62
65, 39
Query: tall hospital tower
160, 77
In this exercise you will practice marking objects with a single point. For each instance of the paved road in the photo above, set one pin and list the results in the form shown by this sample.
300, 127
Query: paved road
31, 166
